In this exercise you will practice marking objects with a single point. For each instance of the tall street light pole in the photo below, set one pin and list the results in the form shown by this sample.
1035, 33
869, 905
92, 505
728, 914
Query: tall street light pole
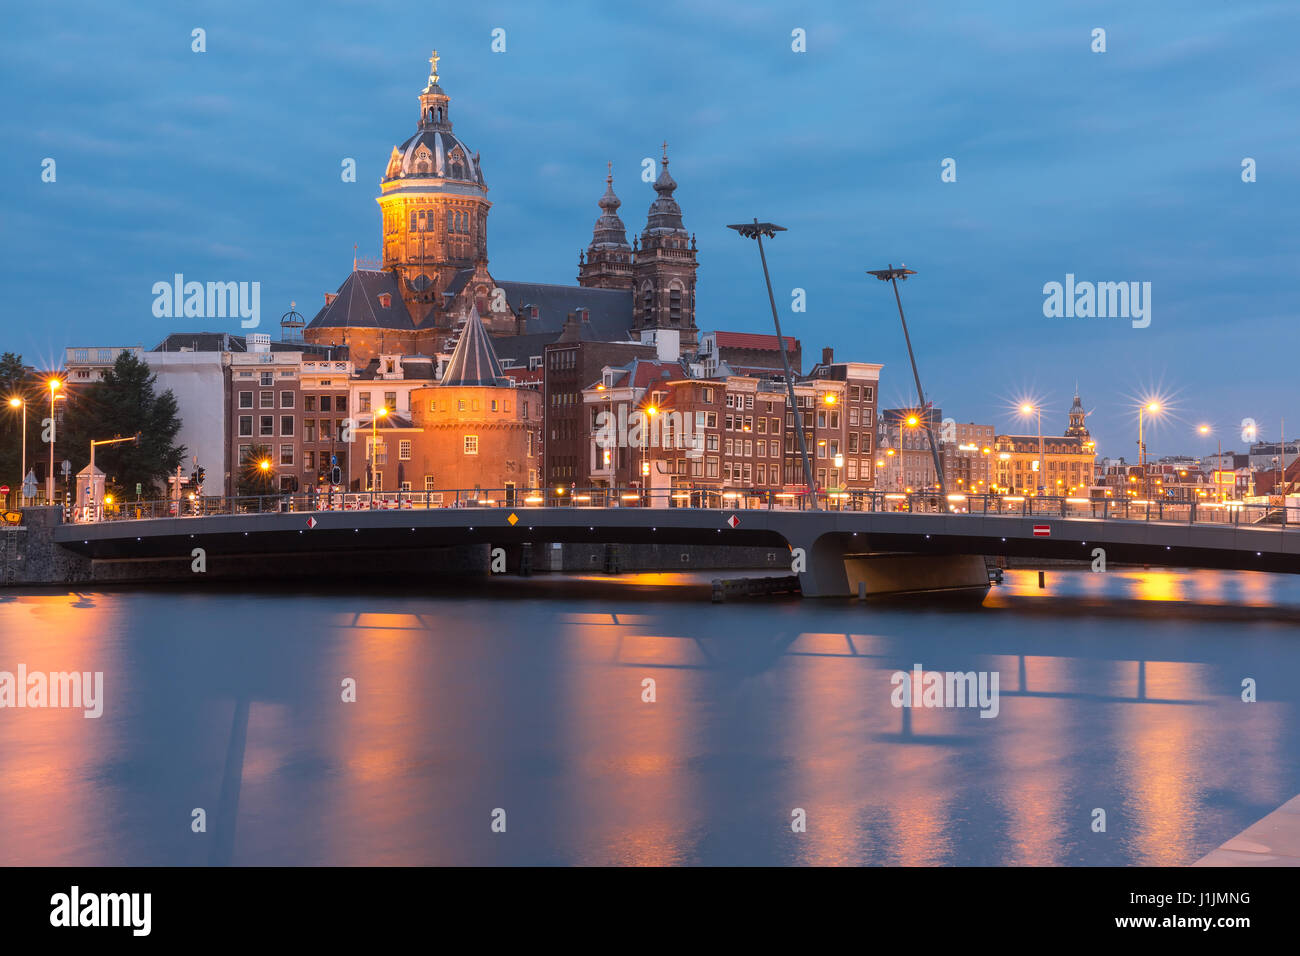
1153, 408
94, 498
374, 450
757, 230
892, 275
1042, 474
22, 403
54, 385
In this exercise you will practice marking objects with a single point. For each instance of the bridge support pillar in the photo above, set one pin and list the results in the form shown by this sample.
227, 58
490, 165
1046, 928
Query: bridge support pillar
834, 571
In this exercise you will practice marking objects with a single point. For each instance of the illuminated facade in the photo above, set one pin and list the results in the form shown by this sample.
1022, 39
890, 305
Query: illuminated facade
1063, 465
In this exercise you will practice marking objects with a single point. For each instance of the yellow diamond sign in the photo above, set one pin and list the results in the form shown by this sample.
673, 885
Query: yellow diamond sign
513, 518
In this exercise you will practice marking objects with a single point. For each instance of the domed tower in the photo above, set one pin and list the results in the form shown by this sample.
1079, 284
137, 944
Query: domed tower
608, 264
1077, 427
664, 268
435, 207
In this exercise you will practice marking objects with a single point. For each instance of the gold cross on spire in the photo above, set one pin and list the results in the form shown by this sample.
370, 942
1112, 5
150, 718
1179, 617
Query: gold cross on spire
433, 67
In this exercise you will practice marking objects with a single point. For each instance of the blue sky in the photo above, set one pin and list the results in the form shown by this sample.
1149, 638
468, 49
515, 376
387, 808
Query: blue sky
1115, 166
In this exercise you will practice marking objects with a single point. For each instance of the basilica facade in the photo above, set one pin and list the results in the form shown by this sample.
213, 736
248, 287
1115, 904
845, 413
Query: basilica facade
435, 272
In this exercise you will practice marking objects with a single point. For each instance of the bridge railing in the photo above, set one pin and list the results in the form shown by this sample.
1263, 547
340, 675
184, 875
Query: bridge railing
1164, 510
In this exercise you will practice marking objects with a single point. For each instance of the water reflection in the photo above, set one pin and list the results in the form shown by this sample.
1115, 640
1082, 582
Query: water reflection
533, 699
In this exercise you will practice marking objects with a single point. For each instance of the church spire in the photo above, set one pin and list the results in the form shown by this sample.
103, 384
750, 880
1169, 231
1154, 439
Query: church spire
608, 263
434, 112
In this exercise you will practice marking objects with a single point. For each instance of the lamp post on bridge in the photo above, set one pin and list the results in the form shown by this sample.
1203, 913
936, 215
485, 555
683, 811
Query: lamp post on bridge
757, 230
892, 275
94, 502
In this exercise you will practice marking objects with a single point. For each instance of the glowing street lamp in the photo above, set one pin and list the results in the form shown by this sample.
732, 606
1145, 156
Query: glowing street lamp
1028, 409
54, 385
20, 403
1151, 408
374, 457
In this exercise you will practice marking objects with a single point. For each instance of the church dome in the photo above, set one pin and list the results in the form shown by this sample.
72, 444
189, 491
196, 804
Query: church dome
434, 152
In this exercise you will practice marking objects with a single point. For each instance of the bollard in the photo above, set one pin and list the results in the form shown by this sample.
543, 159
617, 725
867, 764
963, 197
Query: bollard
862, 590
1042, 579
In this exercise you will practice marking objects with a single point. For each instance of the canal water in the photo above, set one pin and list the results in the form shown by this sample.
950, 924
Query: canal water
521, 706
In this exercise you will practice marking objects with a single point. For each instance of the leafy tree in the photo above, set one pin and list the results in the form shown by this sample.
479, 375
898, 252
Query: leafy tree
256, 472
18, 381
123, 404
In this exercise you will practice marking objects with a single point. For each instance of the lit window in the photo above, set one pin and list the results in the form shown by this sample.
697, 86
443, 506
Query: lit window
471, 444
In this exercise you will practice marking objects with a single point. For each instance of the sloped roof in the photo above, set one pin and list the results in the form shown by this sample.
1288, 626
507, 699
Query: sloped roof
357, 304
611, 309
475, 360
752, 340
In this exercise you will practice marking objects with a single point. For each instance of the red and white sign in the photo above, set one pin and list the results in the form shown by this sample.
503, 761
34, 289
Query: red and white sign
4, 489
1042, 531
733, 521
311, 523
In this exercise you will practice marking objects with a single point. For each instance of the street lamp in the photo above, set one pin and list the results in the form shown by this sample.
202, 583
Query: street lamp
94, 503
1154, 409
374, 455
757, 230
892, 275
1028, 409
20, 403
54, 386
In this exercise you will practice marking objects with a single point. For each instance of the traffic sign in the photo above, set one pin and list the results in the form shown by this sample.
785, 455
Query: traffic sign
1042, 531
4, 489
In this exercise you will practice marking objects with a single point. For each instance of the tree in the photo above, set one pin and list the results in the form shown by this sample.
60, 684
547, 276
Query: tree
123, 404
256, 472
18, 381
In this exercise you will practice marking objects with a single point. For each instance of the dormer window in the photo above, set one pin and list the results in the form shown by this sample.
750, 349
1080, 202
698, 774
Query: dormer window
385, 300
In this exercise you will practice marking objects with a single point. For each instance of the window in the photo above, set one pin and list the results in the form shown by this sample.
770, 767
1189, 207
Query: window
309, 429
853, 443
267, 425
428, 483
286, 454
309, 403
867, 393
855, 394
267, 378
286, 425
286, 399
340, 403
404, 449
390, 401
266, 400
245, 426
365, 402
245, 399
471, 444
708, 395
325, 403
309, 461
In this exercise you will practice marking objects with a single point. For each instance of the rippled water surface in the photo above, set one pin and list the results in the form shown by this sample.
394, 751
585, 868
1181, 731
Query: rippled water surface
526, 696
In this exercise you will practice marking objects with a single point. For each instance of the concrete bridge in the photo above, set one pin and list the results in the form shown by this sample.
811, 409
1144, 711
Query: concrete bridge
835, 552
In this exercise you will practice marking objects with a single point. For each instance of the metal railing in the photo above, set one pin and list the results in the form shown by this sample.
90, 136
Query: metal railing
1236, 513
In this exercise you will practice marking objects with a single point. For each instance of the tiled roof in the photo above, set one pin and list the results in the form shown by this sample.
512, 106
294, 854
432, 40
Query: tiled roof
752, 340
357, 304
610, 309
475, 361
